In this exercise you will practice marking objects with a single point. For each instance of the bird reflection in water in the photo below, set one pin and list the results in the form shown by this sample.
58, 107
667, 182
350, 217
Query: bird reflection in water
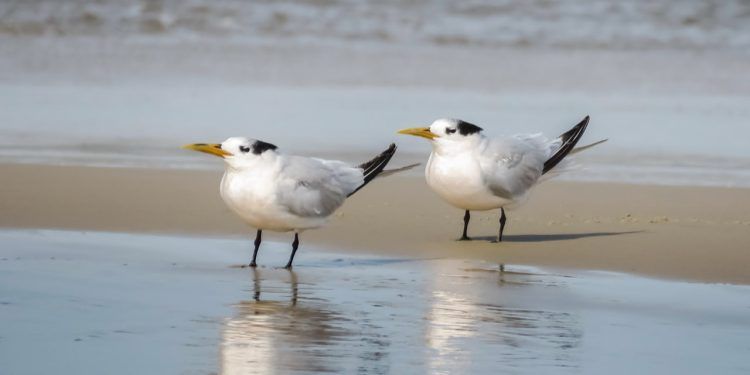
279, 331
441, 318
472, 329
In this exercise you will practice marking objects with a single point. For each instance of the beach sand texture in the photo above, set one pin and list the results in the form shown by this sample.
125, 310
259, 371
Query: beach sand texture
694, 233
117, 254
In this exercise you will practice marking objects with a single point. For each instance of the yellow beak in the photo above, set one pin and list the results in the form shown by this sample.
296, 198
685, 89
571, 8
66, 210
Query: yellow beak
209, 148
419, 132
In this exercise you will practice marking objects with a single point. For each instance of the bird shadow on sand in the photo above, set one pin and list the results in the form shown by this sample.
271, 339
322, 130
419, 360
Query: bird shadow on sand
551, 236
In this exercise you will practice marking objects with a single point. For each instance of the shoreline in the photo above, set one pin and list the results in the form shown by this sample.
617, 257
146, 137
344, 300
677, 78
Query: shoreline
670, 232
121, 296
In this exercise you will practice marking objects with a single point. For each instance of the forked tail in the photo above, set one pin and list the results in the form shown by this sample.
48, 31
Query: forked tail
569, 140
372, 168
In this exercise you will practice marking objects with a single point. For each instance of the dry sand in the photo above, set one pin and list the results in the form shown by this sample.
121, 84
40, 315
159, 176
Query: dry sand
691, 233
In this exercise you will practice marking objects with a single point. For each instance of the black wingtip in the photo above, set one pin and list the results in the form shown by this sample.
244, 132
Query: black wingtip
569, 141
372, 168
585, 121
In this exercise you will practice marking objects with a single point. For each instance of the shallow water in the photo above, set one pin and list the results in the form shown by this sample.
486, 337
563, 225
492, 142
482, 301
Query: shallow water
126, 83
117, 303
656, 140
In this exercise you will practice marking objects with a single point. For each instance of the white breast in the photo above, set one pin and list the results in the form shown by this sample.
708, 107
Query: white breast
252, 194
457, 178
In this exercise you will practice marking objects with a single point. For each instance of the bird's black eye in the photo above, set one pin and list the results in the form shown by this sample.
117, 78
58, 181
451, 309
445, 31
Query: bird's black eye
449, 131
244, 149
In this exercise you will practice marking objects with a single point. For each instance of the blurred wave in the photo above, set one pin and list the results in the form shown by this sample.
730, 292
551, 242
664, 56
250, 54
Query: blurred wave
653, 140
585, 24
124, 83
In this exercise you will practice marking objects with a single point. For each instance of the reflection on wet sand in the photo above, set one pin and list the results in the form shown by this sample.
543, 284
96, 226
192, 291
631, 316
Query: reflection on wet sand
280, 331
271, 332
345, 315
470, 333
452, 321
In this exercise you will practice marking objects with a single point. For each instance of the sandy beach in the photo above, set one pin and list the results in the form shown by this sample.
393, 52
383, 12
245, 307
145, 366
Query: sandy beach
659, 231
117, 255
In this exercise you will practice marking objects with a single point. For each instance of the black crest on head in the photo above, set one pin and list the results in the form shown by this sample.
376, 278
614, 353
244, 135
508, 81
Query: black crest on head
467, 128
259, 147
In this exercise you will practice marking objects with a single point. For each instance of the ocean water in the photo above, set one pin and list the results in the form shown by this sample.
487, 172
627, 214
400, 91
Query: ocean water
116, 83
688, 140
515, 23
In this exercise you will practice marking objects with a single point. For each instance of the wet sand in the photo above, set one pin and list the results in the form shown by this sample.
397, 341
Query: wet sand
127, 303
691, 233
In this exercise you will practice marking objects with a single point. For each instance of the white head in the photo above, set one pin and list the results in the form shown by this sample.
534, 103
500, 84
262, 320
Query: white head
448, 134
238, 152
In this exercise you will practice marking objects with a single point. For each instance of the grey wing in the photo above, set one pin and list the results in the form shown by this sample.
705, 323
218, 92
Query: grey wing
512, 165
315, 188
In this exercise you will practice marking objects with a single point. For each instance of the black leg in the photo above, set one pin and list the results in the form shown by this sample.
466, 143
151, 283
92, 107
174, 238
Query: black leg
295, 245
257, 246
503, 219
467, 217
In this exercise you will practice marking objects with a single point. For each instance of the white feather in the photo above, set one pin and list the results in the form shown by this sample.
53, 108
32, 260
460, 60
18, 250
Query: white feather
282, 193
473, 172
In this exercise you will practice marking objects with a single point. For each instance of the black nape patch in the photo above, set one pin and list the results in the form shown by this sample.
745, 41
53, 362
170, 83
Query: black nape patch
466, 128
259, 147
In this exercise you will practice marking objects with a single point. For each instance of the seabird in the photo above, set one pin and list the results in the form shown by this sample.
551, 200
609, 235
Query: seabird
273, 191
476, 173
